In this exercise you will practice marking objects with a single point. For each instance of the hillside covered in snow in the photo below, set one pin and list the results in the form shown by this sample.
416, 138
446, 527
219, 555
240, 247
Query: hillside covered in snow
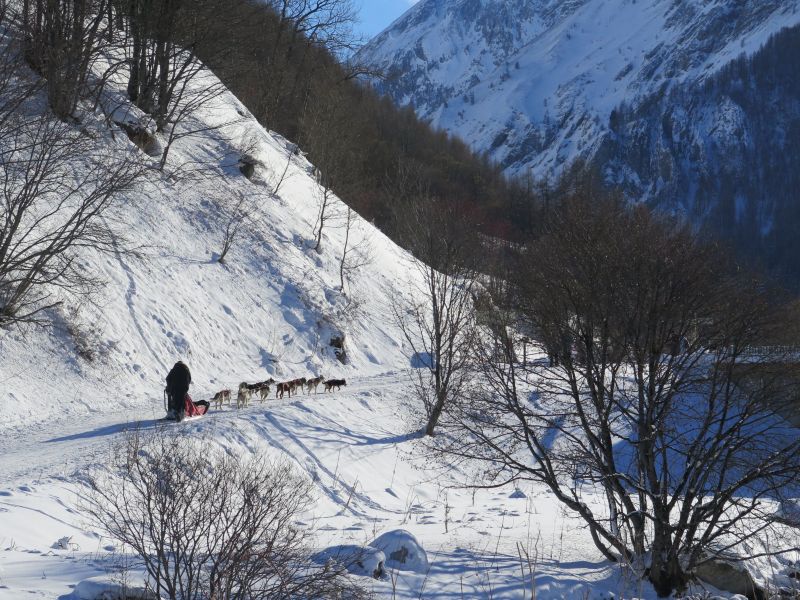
271, 309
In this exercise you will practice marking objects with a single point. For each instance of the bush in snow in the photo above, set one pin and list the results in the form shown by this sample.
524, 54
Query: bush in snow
403, 551
105, 588
208, 524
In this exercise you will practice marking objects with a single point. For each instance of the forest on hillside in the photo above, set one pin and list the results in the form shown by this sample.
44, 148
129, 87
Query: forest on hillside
726, 152
280, 59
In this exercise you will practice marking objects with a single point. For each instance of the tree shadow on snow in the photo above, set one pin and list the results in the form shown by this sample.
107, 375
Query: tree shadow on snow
110, 430
484, 574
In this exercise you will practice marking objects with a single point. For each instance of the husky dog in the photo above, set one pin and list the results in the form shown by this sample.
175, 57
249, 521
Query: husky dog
262, 387
282, 388
220, 397
254, 387
297, 383
312, 384
263, 392
332, 384
243, 397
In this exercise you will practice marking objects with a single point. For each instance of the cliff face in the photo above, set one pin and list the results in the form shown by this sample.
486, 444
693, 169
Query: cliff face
689, 104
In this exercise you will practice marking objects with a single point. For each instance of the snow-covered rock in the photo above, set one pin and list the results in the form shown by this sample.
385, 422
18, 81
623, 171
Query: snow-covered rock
731, 576
62, 543
106, 588
366, 561
403, 551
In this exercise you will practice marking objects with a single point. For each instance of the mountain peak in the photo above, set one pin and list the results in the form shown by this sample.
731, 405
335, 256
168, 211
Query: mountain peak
500, 73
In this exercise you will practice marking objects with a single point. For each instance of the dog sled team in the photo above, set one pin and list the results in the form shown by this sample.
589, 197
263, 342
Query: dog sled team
180, 404
247, 391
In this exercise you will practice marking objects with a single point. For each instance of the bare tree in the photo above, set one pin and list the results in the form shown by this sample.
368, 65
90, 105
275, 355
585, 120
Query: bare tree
16, 84
157, 62
656, 399
238, 212
356, 255
165, 78
56, 187
438, 320
63, 39
197, 90
209, 524
302, 26
325, 130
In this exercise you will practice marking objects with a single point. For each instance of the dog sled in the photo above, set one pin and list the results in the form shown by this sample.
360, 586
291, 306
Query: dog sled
190, 408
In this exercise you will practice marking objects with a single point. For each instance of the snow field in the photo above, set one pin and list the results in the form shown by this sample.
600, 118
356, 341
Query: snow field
370, 478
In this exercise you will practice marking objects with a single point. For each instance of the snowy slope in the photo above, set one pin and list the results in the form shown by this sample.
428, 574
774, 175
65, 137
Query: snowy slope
534, 83
369, 480
270, 310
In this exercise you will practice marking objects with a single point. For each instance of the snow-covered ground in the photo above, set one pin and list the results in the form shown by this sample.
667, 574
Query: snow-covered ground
271, 310
369, 479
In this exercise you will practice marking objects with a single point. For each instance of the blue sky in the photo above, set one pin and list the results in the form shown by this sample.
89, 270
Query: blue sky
376, 15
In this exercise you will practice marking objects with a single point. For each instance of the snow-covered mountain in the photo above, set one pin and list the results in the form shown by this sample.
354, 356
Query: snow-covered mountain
68, 393
638, 87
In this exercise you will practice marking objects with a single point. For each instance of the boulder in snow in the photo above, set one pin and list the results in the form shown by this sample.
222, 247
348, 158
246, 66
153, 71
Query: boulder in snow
358, 560
402, 550
730, 576
137, 125
62, 543
105, 588
247, 166
143, 137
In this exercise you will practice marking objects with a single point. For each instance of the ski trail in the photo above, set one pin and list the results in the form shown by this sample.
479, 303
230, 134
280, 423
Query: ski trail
53, 448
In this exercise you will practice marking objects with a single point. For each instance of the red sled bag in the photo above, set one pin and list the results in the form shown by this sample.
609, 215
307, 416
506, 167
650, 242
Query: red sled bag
194, 410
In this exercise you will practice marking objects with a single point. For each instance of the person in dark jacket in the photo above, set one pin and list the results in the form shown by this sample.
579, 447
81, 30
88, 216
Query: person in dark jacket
178, 381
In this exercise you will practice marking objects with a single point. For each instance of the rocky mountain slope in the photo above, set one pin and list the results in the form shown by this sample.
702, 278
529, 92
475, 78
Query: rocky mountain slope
644, 89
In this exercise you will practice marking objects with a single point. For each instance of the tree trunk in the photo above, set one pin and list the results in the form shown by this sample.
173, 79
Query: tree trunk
436, 413
134, 81
666, 573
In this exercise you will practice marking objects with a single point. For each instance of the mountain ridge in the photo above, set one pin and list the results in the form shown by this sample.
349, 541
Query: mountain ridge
578, 81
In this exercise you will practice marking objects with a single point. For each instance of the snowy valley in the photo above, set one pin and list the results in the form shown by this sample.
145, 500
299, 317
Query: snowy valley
69, 393
214, 263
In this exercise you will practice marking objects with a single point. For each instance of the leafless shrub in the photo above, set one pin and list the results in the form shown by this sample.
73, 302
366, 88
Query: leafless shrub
237, 214
86, 337
56, 186
355, 254
209, 524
